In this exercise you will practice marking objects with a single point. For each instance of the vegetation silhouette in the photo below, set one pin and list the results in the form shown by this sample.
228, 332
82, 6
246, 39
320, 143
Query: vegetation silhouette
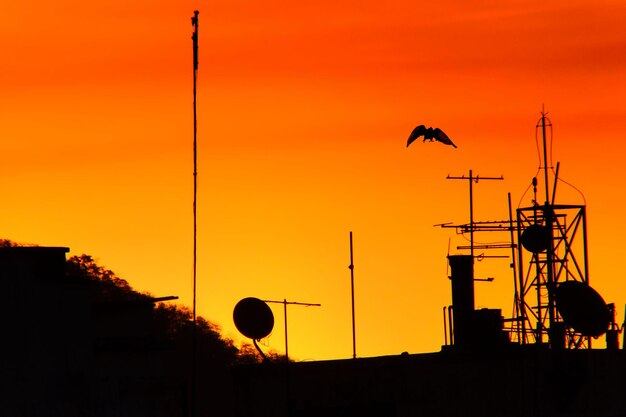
173, 322
130, 351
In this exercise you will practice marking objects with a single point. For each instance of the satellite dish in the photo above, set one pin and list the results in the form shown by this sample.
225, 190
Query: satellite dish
582, 308
536, 238
253, 318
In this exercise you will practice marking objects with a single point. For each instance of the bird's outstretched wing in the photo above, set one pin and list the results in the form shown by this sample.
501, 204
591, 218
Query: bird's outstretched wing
416, 133
440, 136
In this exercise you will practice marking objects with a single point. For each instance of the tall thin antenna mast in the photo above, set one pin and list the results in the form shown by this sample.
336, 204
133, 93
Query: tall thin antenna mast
194, 38
352, 289
545, 153
549, 220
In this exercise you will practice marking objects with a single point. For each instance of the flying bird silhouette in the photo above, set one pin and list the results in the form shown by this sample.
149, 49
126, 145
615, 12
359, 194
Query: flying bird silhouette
429, 134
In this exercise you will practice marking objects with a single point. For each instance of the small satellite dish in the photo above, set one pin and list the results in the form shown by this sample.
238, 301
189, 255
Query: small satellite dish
582, 308
536, 238
253, 318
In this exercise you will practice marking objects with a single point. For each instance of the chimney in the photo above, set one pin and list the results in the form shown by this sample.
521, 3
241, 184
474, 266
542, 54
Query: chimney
462, 277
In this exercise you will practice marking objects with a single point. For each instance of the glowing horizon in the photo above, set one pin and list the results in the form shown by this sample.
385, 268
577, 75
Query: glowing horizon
304, 111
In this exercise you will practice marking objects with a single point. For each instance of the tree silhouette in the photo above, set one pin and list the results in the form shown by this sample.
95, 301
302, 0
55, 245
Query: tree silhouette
172, 322
114, 348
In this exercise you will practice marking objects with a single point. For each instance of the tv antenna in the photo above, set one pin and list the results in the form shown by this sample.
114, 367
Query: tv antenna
471, 179
285, 303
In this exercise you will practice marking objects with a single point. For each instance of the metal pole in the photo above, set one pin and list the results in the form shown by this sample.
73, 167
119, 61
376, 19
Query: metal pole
545, 156
445, 327
585, 254
471, 196
286, 338
549, 219
285, 303
517, 308
352, 290
194, 37
556, 178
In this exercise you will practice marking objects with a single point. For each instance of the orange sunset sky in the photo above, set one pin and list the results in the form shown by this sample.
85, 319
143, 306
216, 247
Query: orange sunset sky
304, 110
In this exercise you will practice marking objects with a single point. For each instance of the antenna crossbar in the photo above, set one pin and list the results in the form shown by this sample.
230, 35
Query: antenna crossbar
293, 302
475, 179
490, 246
285, 303
471, 179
